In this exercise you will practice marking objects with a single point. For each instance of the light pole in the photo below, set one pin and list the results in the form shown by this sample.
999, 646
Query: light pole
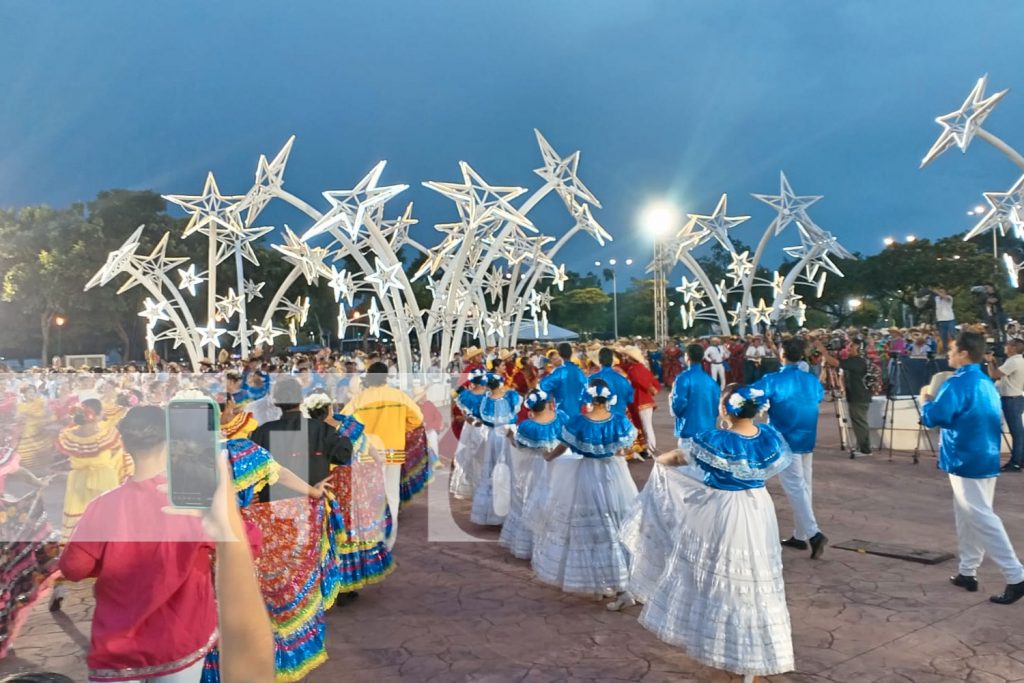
658, 220
59, 322
615, 293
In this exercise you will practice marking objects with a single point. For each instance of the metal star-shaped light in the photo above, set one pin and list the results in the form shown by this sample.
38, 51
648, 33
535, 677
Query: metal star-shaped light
342, 321
117, 260
297, 310
397, 230
436, 256
494, 284
293, 332
349, 207
253, 290
690, 289
1006, 212
481, 204
722, 292
434, 287
494, 324
1013, 270
154, 310
211, 208
237, 336
533, 303
310, 260
210, 335
740, 267
798, 311
190, 279
545, 299
718, 224
229, 305
735, 314
343, 283
229, 242
786, 204
762, 313
385, 277
562, 171
777, 283
959, 127
375, 318
265, 334
821, 284
559, 278
269, 180
586, 222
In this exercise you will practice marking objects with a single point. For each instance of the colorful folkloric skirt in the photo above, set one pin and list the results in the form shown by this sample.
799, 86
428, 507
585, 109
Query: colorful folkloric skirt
417, 471
359, 521
28, 562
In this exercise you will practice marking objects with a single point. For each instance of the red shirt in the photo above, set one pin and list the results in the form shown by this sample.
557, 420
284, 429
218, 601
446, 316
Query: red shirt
155, 607
643, 382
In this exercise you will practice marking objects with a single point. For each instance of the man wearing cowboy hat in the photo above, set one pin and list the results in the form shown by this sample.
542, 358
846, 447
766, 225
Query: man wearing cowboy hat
566, 382
621, 387
472, 359
715, 356
645, 388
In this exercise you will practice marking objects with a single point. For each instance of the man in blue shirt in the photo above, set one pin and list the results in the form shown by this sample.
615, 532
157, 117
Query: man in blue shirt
968, 411
566, 382
794, 396
621, 387
695, 398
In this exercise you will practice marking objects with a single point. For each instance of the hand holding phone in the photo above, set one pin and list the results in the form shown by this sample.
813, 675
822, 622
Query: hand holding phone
193, 451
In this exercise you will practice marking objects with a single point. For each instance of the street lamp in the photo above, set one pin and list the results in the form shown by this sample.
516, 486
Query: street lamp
888, 241
854, 303
615, 292
59, 322
658, 220
911, 238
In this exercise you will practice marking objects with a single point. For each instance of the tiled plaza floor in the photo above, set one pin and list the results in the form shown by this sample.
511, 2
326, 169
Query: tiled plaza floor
456, 611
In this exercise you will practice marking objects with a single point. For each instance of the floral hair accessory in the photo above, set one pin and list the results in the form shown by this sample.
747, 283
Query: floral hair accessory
478, 376
315, 402
189, 395
745, 396
536, 397
593, 391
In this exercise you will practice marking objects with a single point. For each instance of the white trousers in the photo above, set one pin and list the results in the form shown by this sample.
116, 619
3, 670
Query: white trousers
392, 482
796, 481
433, 445
192, 674
647, 420
718, 374
979, 529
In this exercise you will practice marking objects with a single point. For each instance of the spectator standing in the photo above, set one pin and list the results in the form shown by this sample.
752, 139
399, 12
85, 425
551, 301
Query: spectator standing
1010, 382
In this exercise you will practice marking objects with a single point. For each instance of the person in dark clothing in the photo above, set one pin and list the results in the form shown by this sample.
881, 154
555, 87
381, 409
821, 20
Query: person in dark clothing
858, 395
306, 447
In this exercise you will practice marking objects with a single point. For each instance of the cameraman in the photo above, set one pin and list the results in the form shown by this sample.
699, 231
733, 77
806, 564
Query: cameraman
1010, 382
945, 319
858, 396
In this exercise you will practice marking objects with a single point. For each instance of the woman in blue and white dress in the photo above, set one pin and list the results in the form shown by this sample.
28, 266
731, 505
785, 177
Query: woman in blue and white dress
532, 438
721, 596
498, 410
578, 548
469, 453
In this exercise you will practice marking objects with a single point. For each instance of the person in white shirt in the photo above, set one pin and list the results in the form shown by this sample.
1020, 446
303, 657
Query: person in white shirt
755, 353
945, 319
715, 355
1010, 382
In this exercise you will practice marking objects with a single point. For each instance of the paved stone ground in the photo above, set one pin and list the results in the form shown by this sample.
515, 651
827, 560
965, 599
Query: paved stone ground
468, 612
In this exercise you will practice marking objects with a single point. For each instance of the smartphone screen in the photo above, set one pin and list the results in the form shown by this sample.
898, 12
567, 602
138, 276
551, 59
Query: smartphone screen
193, 435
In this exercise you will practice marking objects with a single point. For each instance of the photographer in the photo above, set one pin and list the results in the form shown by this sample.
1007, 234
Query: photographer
1010, 382
858, 395
945, 319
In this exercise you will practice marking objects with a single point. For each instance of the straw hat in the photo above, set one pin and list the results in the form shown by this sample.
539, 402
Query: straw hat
471, 352
505, 354
634, 353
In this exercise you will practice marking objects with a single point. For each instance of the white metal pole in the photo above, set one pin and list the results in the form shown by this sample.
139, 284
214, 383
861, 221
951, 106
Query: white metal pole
615, 303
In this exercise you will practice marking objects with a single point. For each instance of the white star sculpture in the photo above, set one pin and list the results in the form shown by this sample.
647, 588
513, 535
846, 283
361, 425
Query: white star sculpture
154, 265
760, 313
959, 127
269, 180
253, 290
385, 277
559, 278
229, 242
494, 284
210, 335
777, 283
297, 310
562, 171
690, 289
343, 283
494, 324
375, 318
117, 261
154, 310
718, 223
190, 279
1006, 211
237, 336
740, 267
209, 208
735, 314
342, 321
722, 292
481, 204
265, 334
786, 204
293, 332
229, 305
349, 207
310, 260
585, 221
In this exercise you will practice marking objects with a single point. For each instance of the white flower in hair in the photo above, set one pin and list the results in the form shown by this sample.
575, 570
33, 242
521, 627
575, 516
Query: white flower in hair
314, 402
189, 395
737, 401
755, 393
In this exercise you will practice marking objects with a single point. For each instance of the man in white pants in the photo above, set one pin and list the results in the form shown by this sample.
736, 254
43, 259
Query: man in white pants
794, 396
967, 409
715, 355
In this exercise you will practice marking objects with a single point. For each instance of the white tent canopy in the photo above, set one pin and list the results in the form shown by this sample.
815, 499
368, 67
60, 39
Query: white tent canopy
555, 333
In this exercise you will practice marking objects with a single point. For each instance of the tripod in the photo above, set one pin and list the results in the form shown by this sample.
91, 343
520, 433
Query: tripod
897, 382
834, 382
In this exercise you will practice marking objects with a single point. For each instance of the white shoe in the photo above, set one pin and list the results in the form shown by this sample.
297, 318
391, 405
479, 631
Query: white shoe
625, 599
860, 454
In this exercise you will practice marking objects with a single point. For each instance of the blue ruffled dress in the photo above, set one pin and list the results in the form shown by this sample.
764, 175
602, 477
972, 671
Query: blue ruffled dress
577, 546
706, 559
469, 453
529, 468
490, 505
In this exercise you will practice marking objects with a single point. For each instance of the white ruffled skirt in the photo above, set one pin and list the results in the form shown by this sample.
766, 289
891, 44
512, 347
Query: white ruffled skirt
466, 462
497, 450
528, 468
576, 542
721, 596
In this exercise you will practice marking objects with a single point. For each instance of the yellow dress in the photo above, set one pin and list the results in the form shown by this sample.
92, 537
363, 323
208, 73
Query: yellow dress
98, 464
35, 443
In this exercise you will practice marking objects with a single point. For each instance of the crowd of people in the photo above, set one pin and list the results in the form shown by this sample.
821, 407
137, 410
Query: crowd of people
321, 452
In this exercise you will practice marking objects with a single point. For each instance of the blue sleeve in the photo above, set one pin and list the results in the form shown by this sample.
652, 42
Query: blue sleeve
941, 411
550, 383
679, 396
819, 391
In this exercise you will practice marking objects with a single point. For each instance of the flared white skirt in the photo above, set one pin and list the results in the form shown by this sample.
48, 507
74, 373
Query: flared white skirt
466, 463
528, 467
497, 451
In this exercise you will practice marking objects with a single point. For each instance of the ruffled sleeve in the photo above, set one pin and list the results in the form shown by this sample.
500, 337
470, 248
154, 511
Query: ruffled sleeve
598, 439
354, 431
468, 402
252, 467
755, 458
531, 434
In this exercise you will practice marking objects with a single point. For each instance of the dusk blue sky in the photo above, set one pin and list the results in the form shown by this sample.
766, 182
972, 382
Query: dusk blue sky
664, 98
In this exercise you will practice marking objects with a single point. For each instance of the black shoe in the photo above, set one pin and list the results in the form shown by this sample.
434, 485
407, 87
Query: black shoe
1010, 467
795, 543
968, 583
818, 542
1013, 593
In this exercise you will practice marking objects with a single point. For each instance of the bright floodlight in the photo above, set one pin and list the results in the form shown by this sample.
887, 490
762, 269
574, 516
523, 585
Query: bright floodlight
611, 262
911, 238
659, 217
597, 263
888, 241
854, 303
979, 209
629, 262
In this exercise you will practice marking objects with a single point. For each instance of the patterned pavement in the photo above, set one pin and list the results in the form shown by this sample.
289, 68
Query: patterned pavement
466, 611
